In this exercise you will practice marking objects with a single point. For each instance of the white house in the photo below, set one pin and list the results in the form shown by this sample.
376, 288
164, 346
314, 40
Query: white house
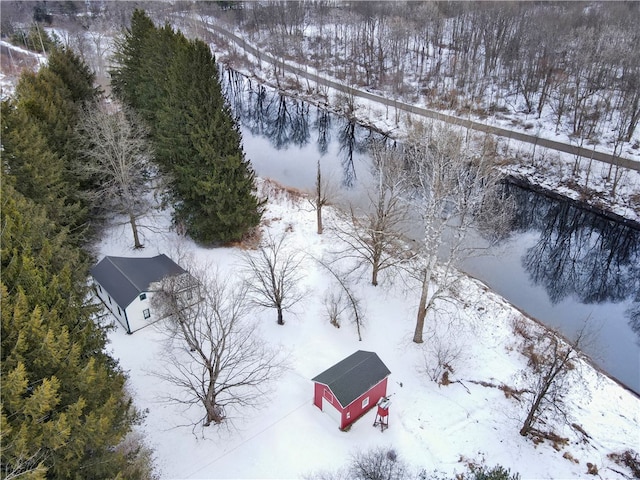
125, 285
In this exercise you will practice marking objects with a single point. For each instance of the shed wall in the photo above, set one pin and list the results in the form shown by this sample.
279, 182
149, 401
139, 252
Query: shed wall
355, 410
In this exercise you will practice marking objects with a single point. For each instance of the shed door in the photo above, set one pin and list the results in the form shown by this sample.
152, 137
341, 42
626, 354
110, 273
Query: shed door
332, 411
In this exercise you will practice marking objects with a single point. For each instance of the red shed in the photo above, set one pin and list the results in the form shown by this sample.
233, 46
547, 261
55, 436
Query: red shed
351, 387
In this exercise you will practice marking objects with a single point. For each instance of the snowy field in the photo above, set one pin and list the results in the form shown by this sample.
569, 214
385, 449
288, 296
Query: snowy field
432, 427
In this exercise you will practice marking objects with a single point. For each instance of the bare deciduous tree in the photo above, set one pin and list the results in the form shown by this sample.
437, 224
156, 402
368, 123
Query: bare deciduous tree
440, 355
321, 196
335, 306
213, 354
347, 302
275, 274
453, 187
552, 364
375, 233
374, 464
378, 464
114, 143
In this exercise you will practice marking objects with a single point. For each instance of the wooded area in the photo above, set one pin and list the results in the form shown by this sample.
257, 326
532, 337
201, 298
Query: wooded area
173, 84
65, 409
70, 161
577, 61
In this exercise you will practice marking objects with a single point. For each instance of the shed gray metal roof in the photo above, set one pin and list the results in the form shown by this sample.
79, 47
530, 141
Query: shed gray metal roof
353, 376
125, 278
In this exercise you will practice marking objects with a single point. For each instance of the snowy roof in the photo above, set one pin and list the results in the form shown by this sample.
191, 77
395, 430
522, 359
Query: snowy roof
125, 278
353, 376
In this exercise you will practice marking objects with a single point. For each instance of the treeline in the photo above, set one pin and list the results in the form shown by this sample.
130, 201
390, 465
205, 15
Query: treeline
173, 84
574, 62
65, 411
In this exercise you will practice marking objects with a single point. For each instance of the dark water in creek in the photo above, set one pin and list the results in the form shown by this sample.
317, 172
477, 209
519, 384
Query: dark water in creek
562, 265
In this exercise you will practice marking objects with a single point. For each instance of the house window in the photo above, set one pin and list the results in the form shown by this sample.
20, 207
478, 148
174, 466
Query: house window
146, 313
119, 311
143, 296
99, 287
348, 415
109, 298
365, 402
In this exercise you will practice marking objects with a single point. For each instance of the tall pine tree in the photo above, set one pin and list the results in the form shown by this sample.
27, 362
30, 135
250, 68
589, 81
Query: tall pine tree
129, 57
64, 412
40, 149
63, 406
198, 143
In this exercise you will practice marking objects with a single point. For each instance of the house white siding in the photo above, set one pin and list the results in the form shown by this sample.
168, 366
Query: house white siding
131, 317
111, 304
125, 286
135, 312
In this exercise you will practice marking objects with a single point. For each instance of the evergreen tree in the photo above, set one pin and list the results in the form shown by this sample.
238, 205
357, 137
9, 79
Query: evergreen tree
44, 98
129, 58
77, 77
220, 206
63, 407
198, 143
214, 183
175, 117
36, 170
141, 58
39, 146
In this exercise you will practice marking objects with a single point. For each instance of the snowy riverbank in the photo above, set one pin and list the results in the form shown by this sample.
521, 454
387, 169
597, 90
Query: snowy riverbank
433, 427
591, 183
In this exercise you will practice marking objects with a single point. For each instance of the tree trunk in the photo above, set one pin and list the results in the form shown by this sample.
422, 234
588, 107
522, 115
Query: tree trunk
319, 216
535, 406
319, 199
559, 362
635, 115
134, 228
213, 414
375, 263
280, 319
422, 307
526, 427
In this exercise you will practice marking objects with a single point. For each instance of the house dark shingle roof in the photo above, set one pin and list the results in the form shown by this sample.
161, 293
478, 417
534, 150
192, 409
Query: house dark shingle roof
353, 376
125, 278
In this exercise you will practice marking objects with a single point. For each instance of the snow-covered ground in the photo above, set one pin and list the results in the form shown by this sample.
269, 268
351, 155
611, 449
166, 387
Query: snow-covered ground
14, 60
432, 427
